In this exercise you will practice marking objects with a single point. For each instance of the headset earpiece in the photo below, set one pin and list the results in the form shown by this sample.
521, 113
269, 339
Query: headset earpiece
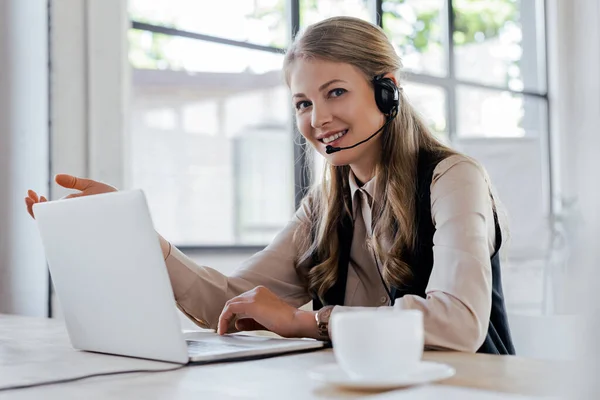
387, 95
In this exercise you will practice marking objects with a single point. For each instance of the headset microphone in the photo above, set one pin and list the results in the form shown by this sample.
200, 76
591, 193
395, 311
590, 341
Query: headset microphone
331, 149
387, 98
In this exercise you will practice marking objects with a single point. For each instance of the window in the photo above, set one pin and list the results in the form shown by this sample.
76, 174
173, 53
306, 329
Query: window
211, 137
312, 11
486, 55
417, 28
213, 141
261, 22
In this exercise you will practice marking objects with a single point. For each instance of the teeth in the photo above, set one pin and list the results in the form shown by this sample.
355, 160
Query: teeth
334, 137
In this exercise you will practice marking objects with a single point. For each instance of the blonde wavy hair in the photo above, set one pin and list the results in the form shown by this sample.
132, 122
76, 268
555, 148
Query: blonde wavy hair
366, 47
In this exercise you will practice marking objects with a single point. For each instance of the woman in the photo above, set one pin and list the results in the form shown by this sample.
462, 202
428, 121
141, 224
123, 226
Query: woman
399, 221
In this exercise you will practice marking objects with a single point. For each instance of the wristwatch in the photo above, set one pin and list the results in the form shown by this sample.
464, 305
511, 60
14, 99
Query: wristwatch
322, 318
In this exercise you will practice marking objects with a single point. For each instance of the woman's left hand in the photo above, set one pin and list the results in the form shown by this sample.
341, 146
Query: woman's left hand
261, 309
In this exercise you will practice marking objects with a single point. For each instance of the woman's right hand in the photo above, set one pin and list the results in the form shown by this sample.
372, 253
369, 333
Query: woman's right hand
87, 187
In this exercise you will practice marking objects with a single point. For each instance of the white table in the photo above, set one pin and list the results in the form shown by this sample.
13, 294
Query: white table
37, 349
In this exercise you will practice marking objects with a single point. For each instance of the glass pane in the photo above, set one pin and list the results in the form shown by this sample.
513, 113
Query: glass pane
157, 51
430, 102
498, 42
492, 113
259, 21
312, 11
214, 150
416, 29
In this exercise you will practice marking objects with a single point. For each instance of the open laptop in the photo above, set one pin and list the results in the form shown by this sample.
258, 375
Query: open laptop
111, 280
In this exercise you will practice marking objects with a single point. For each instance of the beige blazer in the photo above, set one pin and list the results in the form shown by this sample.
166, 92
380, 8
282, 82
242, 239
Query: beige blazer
459, 293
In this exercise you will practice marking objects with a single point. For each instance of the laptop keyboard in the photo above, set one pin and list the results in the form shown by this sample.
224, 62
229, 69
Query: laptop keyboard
197, 348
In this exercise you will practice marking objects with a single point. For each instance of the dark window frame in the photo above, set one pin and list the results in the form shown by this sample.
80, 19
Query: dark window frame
448, 83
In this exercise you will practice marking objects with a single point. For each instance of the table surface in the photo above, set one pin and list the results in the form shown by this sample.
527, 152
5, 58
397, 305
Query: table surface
38, 349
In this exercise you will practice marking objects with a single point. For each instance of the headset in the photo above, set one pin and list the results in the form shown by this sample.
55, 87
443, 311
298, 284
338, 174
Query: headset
387, 98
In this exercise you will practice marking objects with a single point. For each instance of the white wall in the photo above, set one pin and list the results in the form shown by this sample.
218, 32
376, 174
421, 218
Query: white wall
90, 89
575, 107
574, 60
89, 81
23, 152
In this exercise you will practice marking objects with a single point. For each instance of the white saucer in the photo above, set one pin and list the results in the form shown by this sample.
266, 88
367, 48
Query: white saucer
424, 372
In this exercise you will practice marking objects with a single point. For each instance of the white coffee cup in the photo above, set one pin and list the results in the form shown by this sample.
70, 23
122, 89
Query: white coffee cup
377, 344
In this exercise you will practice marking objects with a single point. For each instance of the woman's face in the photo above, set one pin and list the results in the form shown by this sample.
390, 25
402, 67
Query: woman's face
335, 105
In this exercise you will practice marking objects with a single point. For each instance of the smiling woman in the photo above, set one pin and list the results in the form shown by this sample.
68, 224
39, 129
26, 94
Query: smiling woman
337, 106
387, 226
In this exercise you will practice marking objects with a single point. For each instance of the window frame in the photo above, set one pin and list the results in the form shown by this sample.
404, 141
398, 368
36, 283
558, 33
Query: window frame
448, 84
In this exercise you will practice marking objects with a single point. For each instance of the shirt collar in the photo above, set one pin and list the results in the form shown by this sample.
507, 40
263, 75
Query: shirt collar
368, 187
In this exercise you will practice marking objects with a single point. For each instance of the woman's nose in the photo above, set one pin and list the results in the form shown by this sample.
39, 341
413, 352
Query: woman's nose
320, 117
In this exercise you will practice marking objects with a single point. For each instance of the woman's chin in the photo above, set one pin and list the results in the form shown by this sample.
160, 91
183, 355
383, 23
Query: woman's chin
337, 159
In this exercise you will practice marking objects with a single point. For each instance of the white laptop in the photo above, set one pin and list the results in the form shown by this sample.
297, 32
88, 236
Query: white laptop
111, 280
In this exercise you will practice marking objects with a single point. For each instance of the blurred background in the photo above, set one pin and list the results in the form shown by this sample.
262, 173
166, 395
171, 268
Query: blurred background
185, 99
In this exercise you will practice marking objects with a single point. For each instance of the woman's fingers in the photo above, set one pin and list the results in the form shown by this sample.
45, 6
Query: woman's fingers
32, 199
33, 195
29, 202
67, 181
263, 310
73, 182
230, 311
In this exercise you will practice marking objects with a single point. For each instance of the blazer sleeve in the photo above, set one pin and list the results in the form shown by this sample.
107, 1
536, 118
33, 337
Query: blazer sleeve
201, 291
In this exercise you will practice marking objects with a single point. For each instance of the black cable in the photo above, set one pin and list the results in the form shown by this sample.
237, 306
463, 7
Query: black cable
67, 380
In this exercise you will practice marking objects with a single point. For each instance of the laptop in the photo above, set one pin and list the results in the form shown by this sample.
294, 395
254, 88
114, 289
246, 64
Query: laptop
112, 283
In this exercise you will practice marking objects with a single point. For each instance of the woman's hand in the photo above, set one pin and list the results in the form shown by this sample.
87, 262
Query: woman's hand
87, 187
261, 309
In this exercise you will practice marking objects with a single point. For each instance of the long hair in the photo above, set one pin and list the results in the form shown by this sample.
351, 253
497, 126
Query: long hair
365, 46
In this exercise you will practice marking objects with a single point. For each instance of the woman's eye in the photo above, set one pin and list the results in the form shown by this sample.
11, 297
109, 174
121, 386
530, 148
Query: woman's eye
302, 104
337, 92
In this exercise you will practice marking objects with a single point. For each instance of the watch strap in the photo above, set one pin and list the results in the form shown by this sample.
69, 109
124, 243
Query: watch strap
322, 317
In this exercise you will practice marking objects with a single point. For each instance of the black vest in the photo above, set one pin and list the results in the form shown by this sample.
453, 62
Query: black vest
498, 339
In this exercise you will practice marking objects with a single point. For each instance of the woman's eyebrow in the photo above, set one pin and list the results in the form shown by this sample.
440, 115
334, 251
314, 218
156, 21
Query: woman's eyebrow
323, 86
